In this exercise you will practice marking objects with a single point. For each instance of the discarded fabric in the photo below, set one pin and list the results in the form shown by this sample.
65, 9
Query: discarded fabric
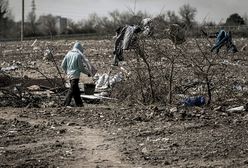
224, 38
194, 101
10, 68
105, 81
147, 26
48, 55
126, 37
237, 109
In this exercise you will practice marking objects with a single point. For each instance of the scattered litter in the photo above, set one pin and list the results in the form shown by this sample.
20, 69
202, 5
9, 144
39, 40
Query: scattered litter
6, 52
36, 48
96, 97
219, 108
34, 88
47, 55
194, 101
34, 43
224, 38
10, 68
237, 109
226, 62
51, 104
244, 48
105, 81
159, 139
72, 124
173, 110
144, 150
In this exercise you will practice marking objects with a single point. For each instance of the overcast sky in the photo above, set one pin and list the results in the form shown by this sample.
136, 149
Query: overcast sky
208, 10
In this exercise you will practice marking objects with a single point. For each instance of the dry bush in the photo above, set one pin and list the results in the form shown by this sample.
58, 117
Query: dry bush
151, 72
161, 73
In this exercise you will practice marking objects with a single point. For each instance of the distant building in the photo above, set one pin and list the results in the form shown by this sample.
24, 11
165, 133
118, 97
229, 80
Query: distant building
61, 25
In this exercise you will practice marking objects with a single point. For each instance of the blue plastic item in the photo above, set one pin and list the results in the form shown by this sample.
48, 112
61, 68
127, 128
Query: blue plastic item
194, 101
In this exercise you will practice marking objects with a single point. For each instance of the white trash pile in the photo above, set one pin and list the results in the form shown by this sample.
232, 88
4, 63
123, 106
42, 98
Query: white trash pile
104, 81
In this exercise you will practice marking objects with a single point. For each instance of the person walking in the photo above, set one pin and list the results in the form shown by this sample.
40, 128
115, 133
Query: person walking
73, 64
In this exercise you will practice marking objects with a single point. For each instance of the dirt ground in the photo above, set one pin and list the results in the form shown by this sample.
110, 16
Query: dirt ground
112, 133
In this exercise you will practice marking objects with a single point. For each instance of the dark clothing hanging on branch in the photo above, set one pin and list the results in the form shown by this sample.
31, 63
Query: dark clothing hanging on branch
126, 37
224, 38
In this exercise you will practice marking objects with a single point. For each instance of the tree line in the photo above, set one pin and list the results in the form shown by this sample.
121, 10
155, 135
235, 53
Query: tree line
45, 25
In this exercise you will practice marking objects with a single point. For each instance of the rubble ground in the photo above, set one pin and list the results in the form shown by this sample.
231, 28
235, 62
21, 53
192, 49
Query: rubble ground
111, 133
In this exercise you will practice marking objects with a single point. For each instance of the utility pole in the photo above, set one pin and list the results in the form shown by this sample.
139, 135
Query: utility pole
22, 24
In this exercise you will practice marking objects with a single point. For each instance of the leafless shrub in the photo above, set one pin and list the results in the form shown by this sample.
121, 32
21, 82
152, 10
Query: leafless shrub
161, 73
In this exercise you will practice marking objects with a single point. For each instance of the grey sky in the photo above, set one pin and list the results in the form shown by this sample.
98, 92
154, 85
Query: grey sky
209, 10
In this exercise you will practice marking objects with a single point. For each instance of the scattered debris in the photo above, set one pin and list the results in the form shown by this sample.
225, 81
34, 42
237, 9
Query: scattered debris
172, 141
173, 110
237, 109
10, 68
48, 55
34, 88
34, 43
194, 101
105, 81
244, 48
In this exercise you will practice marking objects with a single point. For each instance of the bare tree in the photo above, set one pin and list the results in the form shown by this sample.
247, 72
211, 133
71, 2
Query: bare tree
235, 20
47, 24
245, 19
172, 17
205, 70
3, 8
187, 14
3, 16
73, 27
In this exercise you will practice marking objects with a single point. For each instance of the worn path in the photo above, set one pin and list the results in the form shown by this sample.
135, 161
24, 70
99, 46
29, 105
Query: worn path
80, 146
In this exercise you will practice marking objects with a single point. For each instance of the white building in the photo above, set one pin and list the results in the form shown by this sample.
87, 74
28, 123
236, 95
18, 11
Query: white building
61, 25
